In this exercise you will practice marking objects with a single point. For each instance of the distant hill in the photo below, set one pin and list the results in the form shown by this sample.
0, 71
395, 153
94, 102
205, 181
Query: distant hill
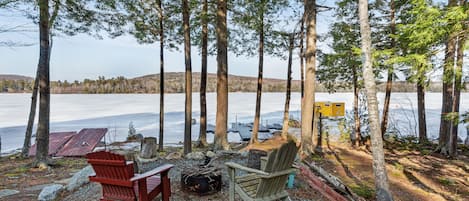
175, 83
14, 77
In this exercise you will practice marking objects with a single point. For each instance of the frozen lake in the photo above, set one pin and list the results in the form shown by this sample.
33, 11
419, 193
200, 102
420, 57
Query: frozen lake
72, 112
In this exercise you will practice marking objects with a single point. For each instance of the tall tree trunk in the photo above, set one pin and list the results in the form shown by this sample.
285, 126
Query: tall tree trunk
310, 79
32, 116
421, 109
161, 16
42, 137
257, 115
387, 98
203, 78
187, 58
32, 111
379, 166
447, 92
356, 114
302, 56
221, 141
287, 96
458, 84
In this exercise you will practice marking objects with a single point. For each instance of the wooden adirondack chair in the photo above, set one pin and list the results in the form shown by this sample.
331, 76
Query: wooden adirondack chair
119, 182
267, 184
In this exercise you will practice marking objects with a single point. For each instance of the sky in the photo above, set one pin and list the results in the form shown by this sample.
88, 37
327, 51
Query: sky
82, 56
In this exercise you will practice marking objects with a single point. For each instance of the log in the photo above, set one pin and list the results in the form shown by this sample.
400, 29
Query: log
319, 186
148, 148
334, 181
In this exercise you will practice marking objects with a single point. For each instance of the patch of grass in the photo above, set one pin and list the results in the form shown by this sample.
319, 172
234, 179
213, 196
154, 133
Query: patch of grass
399, 166
68, 162
445, 181
17, 171
425, 152
363, 191
316, 157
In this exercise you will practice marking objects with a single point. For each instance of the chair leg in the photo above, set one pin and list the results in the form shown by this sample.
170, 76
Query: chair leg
232, 175
166, 185
142, 190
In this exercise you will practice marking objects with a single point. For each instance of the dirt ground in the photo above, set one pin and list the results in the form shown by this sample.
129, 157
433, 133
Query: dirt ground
414, 173
16, 174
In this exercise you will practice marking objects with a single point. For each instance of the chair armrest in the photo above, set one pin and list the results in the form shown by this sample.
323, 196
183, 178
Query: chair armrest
276, 174
240, 167
163, 168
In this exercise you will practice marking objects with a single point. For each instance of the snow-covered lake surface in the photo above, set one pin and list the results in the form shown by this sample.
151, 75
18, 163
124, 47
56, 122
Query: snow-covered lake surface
72, 112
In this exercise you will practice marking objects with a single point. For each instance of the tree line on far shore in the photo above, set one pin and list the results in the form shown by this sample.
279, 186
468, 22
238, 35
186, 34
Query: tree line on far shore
174, 83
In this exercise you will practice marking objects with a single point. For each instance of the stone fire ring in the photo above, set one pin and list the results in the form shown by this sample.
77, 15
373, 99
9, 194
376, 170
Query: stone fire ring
201, 184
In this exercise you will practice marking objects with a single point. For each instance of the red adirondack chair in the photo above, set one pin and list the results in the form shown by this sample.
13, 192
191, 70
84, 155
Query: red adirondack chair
120, 183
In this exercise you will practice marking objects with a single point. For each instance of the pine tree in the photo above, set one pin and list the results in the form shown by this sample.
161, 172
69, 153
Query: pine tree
221, 141
379, 166
254, 20
188, 78
310, 78
340, 68
291, 46
42, 137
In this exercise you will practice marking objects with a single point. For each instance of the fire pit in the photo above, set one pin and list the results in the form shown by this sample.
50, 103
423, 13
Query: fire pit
201, 179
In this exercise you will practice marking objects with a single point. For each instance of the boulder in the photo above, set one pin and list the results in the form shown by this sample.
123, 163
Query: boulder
195, 156
7, 192
173, 156
210, 154
49, 193
80, 178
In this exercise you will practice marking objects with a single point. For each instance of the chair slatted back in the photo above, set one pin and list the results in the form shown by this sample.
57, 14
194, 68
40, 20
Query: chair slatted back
114, 173
278, 160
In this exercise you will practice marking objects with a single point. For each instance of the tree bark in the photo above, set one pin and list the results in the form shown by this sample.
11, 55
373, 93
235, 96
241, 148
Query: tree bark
32, 116
42, 137
257, 115
310, 78
221, 141
387, 98
302, 56
379, 166
288, 94
161, 134
203, 78
187, 58
421, 109
356, 114
458, 84
447, 91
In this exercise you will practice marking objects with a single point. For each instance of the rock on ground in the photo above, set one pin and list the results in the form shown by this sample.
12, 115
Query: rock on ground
80, 178
195, 156
7, 192
49, 193
173, 156
210, 154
